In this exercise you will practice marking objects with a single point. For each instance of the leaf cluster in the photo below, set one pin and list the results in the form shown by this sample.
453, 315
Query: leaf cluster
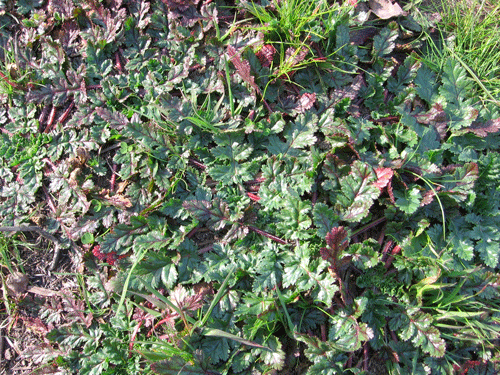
254, 199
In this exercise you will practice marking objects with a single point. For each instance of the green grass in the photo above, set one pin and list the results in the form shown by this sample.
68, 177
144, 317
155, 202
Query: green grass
470, 33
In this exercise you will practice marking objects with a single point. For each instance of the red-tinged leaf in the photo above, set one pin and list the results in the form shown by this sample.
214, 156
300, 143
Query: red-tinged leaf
266, 55
390, 192
427, 198
253, 197
242, 67
306, 101
462, 180
437, 117
469, 175
337, 241
435, 114
184, 301
357, 192
215, 214
352, 90
482, 129
115, 119
384, 176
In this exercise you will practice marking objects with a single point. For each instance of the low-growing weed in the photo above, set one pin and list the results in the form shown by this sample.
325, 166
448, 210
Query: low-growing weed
272, 187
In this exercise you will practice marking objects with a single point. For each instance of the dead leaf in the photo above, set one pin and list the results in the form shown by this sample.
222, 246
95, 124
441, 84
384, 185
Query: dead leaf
266, 55
43, 291
385, 9
16, 283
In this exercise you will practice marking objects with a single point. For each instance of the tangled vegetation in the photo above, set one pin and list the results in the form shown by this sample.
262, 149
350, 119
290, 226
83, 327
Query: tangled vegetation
246, 187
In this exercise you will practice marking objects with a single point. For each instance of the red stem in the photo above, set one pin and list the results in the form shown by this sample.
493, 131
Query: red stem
113, 178
65, 115
52, 116
268, 235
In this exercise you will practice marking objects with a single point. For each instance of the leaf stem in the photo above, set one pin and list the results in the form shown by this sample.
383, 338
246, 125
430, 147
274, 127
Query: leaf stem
268, 235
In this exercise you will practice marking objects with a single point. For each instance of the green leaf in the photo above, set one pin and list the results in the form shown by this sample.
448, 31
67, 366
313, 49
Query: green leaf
426, 84
298, 135
157, 269
275, 356
357, 192
383, 43
417, 327
294, 218
324, 219
216, 348
232, 173
408, 200
405, 75
366, 254
456, 84
152, 240
121, 238
305, 273
176, 366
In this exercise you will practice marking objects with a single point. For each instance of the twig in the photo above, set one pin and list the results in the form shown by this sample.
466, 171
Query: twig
40, 231
197, 163
43, 114
110, 148
49, 200
1, 343
365, 357
113, 178
369, 226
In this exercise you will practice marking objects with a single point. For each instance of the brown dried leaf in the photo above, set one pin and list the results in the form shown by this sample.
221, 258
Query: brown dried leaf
118, 200
305, 102
294, 56
180, 5
16, 284
385, 9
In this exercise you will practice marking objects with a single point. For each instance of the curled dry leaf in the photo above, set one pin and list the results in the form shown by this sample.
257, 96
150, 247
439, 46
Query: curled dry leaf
385, 9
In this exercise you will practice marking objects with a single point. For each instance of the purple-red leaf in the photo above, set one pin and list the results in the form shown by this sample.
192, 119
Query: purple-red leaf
337, 241
482, 129
242, 67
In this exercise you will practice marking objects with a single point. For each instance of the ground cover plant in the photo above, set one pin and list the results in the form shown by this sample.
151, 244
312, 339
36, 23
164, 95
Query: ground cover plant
267, 187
